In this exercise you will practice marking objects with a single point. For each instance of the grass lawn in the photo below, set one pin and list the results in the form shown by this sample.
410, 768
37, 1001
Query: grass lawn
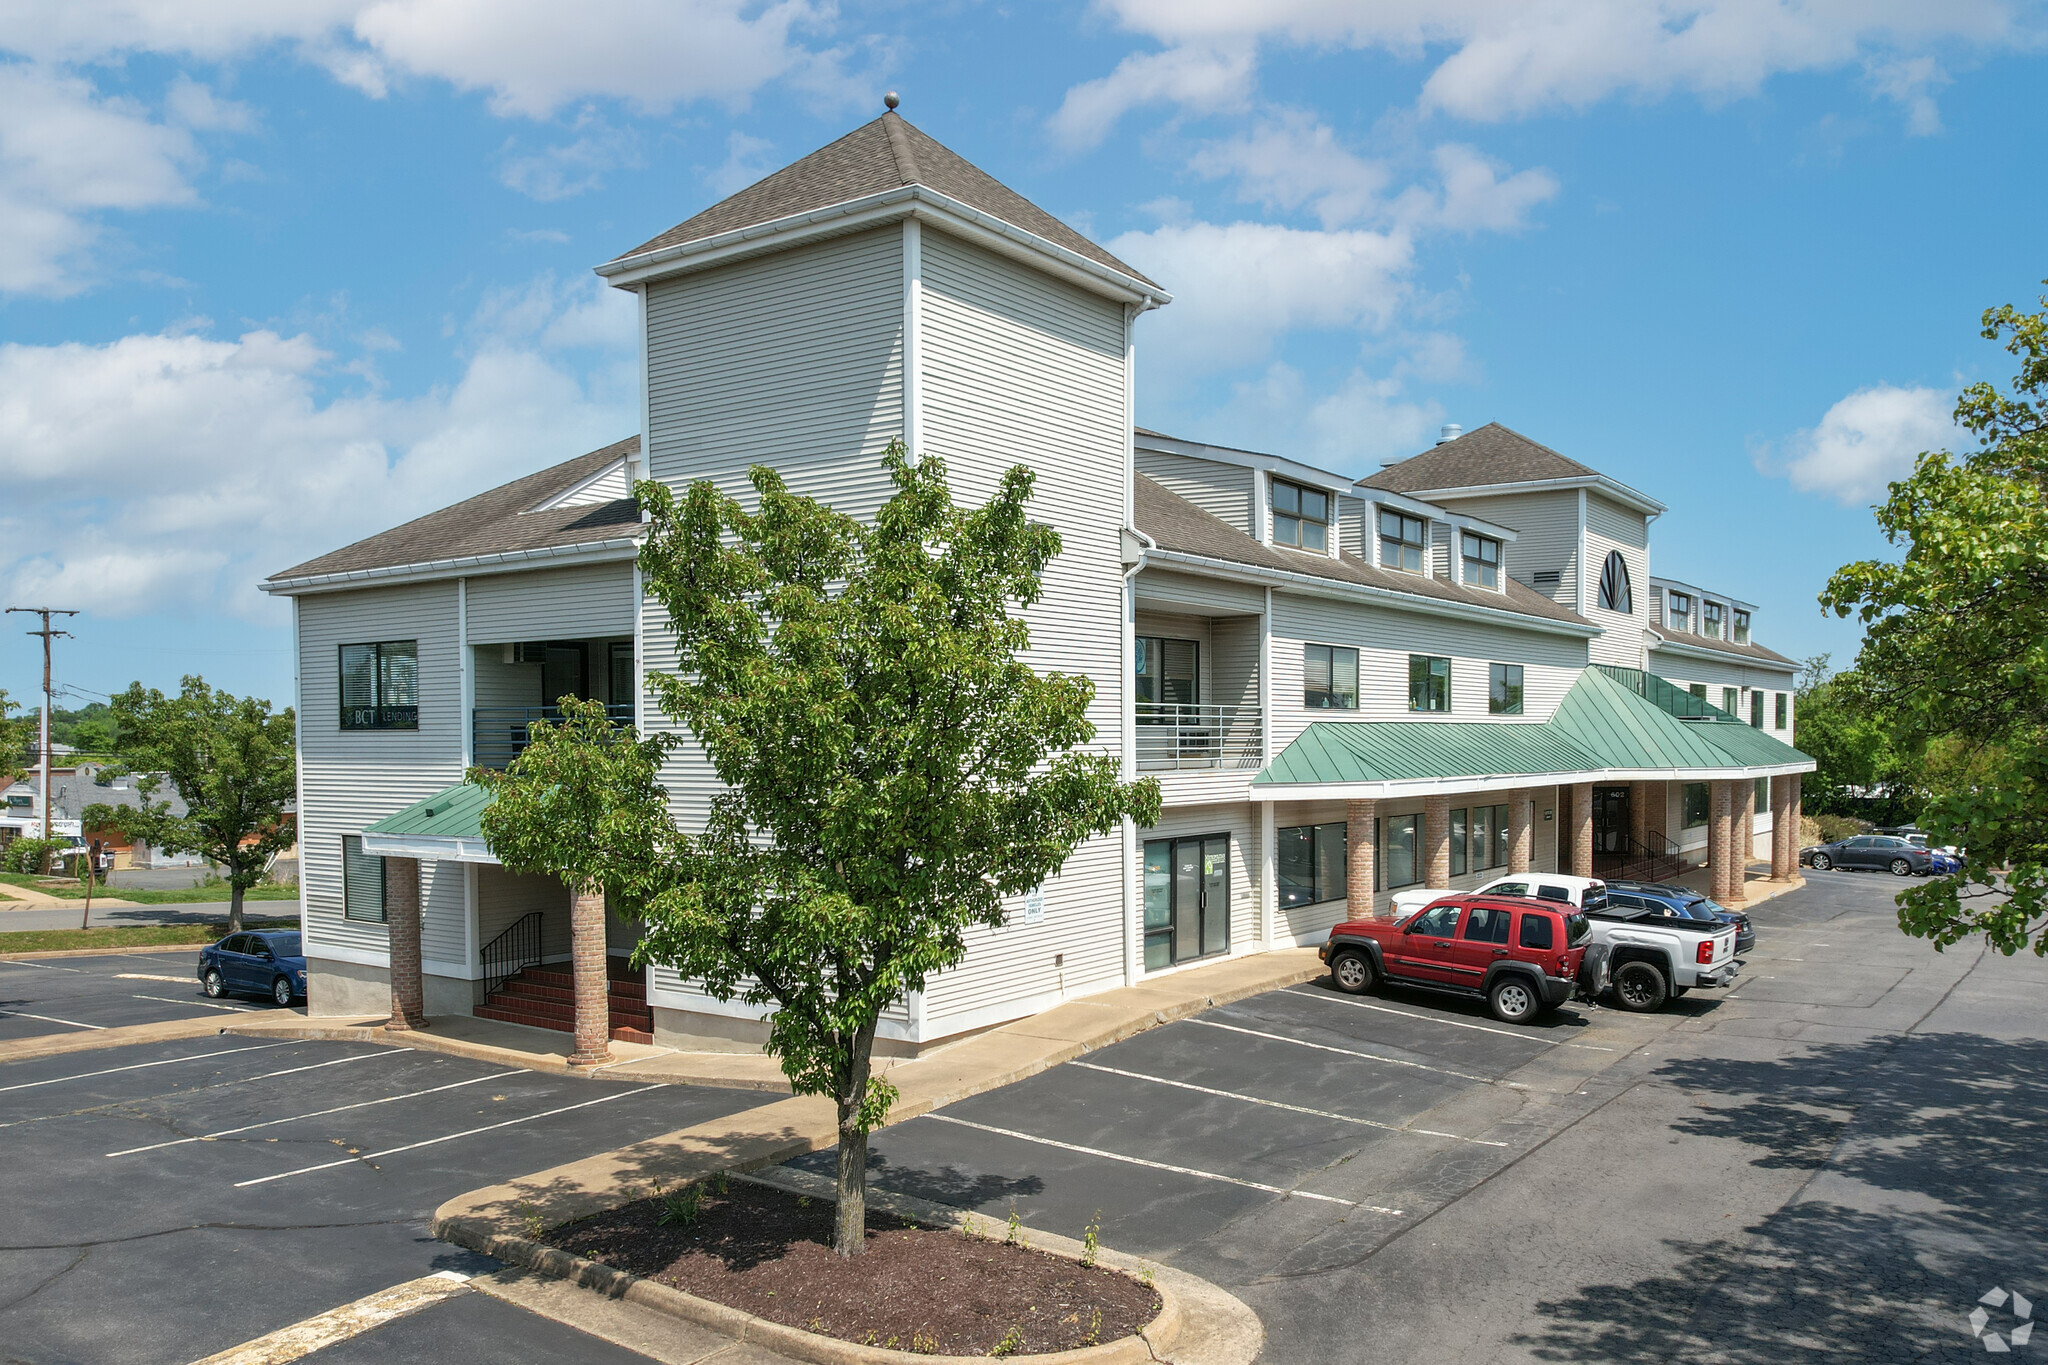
64, 888
55, 940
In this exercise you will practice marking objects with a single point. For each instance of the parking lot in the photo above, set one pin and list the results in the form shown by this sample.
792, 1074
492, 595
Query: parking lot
107, 990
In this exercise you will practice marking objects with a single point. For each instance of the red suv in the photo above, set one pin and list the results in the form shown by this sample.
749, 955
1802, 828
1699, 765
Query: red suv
1520, 956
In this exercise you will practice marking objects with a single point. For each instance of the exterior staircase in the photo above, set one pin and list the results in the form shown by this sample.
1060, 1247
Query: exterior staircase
545, 997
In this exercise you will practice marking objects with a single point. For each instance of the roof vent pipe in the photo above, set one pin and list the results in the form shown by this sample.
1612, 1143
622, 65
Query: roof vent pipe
1450, 431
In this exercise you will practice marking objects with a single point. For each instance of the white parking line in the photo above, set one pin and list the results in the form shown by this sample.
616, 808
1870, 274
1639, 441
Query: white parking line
46, 966
1162, 1165
317, 1113
44, 1018
201, 1004
222, 1085
1276, 1104
1353, 1052
151, 976
138, 1066
1440, 1019
304, 1337
430, 1142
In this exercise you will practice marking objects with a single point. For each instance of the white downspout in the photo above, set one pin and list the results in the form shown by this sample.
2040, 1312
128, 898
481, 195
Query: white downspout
1269, 867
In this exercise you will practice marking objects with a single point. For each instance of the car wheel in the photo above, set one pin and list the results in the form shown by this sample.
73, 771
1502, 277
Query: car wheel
1513, 1000
1901, 868
216, 984
281, 991
1640, 987
1822, 862
1353, 972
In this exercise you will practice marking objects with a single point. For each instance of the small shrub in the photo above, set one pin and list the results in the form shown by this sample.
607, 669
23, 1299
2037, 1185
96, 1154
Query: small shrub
1091, 1239
1011, 1239
1011, 1343
924, 1343
1094, 1337
1833, 827
681, 1208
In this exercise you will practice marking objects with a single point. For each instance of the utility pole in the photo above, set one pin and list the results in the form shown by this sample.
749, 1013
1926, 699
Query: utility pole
48, 635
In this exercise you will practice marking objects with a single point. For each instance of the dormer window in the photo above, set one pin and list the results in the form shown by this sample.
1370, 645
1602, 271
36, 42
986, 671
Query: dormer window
1301, 517
1741, 627
1614, 588
1680, 607
1710, 620
1402, 542
1482, 561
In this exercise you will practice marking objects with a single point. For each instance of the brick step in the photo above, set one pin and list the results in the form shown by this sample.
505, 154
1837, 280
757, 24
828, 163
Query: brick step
621, 1032
560, 1015
531, 989
561, 978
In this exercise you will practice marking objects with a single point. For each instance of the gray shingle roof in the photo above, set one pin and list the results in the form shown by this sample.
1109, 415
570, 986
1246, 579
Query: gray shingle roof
496, 522
1729, 647
1492, 454
886, 154
1176, 524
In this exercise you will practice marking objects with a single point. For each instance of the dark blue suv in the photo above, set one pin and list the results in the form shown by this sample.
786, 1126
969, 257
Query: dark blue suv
1682, 902
262, 962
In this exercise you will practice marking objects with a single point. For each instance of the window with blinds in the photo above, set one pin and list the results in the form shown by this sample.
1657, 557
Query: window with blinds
1169, 671
1329, 677
362, 882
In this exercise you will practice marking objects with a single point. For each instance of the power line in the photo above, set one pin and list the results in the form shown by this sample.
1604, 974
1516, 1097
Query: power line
49, 636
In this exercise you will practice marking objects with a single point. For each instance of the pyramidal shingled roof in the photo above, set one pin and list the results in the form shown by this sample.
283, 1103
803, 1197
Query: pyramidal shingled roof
889, 153
1492, 454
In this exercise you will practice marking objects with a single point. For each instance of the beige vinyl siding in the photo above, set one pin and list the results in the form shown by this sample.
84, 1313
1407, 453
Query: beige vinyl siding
1234, 661
503, 897
1611, 527
1171, 591
352, 778
444, 919
1223, 490
1547, 534
1384, 640
551, 604
1354, 527
501, 684
1443, 551
793, 360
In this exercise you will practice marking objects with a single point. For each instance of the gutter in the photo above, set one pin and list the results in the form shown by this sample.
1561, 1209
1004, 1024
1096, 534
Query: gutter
506, 561
1621, 492
1693, 651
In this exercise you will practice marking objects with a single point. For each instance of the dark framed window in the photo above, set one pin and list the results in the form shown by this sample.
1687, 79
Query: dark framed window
1504, 689
1461, 824
1311, 863
1741, 627
1615, 593
1329, 677
619, 663
1782, 697
1756, 709
1489, 838
1401, 836
1404, 542
1169, 670
1301, 516
1429, 683
362, 882
1678, 606
1694, 801
380, 686
1710, 620
1699, 690
1731, 700
1482, 561
1763, 795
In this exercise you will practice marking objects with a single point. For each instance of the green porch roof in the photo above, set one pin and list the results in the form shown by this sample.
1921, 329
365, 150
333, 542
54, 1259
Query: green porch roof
1403, 751
456, 813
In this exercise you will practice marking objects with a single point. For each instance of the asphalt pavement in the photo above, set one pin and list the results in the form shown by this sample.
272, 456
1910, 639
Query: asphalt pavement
107, 990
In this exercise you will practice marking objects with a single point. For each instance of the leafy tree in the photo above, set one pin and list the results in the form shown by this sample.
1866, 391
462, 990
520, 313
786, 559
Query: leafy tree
891, 769
16, 735
1955, 654
1860, 772
230, 759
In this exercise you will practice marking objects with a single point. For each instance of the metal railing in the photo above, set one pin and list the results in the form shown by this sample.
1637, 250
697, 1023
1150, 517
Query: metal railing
502, 732
510, 953
1173, 736
1634, 860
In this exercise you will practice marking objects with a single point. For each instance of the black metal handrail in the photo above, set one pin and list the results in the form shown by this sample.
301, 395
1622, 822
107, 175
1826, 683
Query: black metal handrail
501, 733
511, 952
1638, 860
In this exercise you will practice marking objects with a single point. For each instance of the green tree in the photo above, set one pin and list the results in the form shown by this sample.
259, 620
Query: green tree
1860, 772
16, 735
1955, 654
230, 759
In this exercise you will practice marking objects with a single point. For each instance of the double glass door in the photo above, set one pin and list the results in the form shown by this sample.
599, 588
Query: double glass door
1187, 899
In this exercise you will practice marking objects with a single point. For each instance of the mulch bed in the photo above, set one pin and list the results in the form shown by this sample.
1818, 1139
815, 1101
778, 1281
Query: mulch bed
915, 1288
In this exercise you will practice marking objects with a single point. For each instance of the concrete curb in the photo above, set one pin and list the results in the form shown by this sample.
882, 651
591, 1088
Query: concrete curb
103, 952
53, 1045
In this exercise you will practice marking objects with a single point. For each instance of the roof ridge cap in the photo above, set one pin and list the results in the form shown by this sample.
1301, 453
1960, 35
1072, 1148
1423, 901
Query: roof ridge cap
900, 148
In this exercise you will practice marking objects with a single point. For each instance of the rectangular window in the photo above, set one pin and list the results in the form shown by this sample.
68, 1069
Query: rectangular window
1168, 670
1429, 683
1489, 838
1504, 689
1329, 677
620, 659
1681, 610
1741, 627
1763, 795
1403, 542
1731, 700
1311, 863
1460, 833
380, 686
1482, 561
1756, 708
1695, 799
1403, 834
1699, 690
1301, 516
362, 882
1781, 710
1710, 620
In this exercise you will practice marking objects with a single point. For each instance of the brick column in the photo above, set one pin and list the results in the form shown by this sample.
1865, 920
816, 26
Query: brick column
1582, 829
1784, 831
1720, 838
1436, 841
1521, 828
1743, 803
402, 920
1638, 817
593, 988
1798, 781
1359, 852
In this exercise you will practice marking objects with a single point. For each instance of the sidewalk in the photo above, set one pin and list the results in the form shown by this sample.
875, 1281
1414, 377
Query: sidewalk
1757, 885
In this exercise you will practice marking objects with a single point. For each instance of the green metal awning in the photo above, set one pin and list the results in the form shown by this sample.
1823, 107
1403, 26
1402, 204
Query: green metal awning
446, 827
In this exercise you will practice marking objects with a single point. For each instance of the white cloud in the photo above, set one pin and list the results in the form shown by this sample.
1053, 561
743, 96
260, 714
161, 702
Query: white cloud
568, 169
1472, 195
1911, 82
172, 471
1195, 78
1869, 439
193, 105
1291, 162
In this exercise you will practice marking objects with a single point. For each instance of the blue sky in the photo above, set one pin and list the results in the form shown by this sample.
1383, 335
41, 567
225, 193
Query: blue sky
276, 277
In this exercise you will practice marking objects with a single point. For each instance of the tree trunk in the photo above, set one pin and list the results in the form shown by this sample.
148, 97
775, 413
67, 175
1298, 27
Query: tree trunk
235, 907
850, 1225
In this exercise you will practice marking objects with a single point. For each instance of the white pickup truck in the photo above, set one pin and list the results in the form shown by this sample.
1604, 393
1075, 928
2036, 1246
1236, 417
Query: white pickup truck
1643, 959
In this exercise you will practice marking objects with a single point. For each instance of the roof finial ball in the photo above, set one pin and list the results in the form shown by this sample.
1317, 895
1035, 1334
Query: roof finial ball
892, 99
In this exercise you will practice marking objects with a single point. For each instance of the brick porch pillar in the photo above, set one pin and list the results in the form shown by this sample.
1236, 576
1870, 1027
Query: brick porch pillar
1358, 858
1436, 838
1638, 818
1521, 828
1720, 838
402, 920
593, 986
1743, 801
1582, 829
1784, 830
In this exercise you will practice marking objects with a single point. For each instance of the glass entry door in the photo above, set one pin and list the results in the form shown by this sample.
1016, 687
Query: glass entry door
1610, 819
1187, 899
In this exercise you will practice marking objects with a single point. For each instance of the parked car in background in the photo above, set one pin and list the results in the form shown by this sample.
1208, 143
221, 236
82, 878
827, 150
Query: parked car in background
271, 963
1683, 900
1870, 852
1521, 957
1585, 893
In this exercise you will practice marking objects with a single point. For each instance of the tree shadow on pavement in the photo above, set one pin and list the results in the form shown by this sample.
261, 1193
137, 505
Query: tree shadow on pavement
940, 1184
1927, 1190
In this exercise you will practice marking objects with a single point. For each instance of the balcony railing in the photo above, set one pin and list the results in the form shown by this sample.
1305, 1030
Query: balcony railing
1173, 737
500, 733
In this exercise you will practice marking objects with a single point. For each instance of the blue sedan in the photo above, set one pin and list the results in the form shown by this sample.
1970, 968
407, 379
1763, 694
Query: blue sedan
264, 962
